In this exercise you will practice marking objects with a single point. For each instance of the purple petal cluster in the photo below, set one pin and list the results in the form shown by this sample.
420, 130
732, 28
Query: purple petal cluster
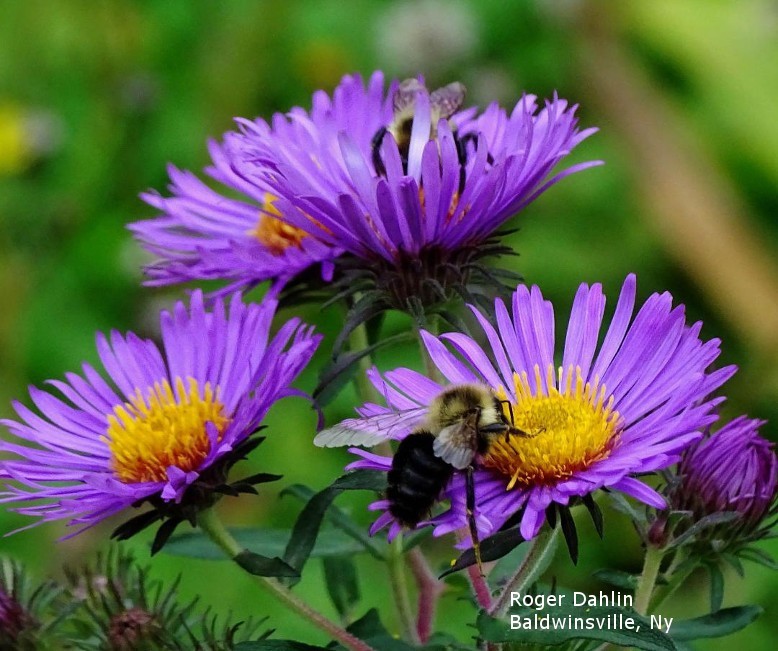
200, 234
655, 367
734, 469
64, 469
321, 166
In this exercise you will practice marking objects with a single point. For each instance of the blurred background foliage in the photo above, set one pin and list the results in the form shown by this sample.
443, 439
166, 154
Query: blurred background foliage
97, 97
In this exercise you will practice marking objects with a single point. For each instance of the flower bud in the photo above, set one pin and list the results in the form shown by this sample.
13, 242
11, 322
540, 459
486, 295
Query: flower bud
734, 470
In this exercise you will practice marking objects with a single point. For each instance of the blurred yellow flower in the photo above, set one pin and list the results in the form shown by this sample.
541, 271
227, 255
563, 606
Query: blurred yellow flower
15, 151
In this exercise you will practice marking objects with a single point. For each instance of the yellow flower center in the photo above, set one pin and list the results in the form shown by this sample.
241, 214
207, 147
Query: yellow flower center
276, 235
163, 428
568, 429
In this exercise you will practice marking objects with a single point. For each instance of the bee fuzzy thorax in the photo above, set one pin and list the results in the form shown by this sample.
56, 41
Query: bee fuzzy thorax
456, 402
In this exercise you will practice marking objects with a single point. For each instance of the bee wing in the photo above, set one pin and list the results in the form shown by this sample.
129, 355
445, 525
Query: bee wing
448, 99
405, 95
370, 431
455, 444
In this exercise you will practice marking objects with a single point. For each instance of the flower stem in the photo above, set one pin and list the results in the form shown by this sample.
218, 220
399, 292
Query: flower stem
430, 369
358, 340
647, 580
542, 547
430, 590
676, 579
212, 526
400, 591
478, 584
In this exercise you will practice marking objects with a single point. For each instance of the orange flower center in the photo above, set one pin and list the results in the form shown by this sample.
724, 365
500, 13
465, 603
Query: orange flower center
163, 428
274, 234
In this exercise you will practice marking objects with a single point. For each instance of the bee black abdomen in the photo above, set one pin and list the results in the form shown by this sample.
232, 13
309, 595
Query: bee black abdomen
416, 479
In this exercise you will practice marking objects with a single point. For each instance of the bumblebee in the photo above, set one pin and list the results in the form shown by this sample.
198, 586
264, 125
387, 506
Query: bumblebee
459, 425
444, 102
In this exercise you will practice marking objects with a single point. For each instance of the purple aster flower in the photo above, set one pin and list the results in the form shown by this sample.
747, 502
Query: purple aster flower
410, 185
604, 416
203, 235
733, 470
167, 424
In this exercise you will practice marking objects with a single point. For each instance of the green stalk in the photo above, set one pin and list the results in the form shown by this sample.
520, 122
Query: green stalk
647, 580
358, 340
542, 547
676, 579
212, 526
402, 598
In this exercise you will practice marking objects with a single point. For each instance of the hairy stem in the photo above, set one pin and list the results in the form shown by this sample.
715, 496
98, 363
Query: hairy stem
430, 590
212, 526
647, 580
478, 584
542, 548
402, 598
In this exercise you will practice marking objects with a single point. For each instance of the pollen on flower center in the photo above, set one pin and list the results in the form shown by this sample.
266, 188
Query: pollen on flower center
163, 428
276, 235
568, 428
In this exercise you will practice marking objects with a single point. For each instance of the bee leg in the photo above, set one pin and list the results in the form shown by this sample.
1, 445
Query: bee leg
376, 142
511, 429
470, 510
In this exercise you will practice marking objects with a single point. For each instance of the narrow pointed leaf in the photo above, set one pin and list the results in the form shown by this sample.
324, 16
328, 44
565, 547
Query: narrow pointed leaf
617, 578
492, 548
638, 634
718, 624
259, 565
277, 645
343, 521
571, 535
308, 523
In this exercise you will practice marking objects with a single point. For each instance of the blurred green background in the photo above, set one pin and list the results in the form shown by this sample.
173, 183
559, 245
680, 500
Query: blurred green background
96, 98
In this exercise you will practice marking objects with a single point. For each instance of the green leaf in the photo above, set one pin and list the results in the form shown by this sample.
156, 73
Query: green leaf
718, 624
618, 578
642, 636
306, 529
369, 625
259, 565
266, 542
370, 629
343, 521
340, 575
492, 548
277, 645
